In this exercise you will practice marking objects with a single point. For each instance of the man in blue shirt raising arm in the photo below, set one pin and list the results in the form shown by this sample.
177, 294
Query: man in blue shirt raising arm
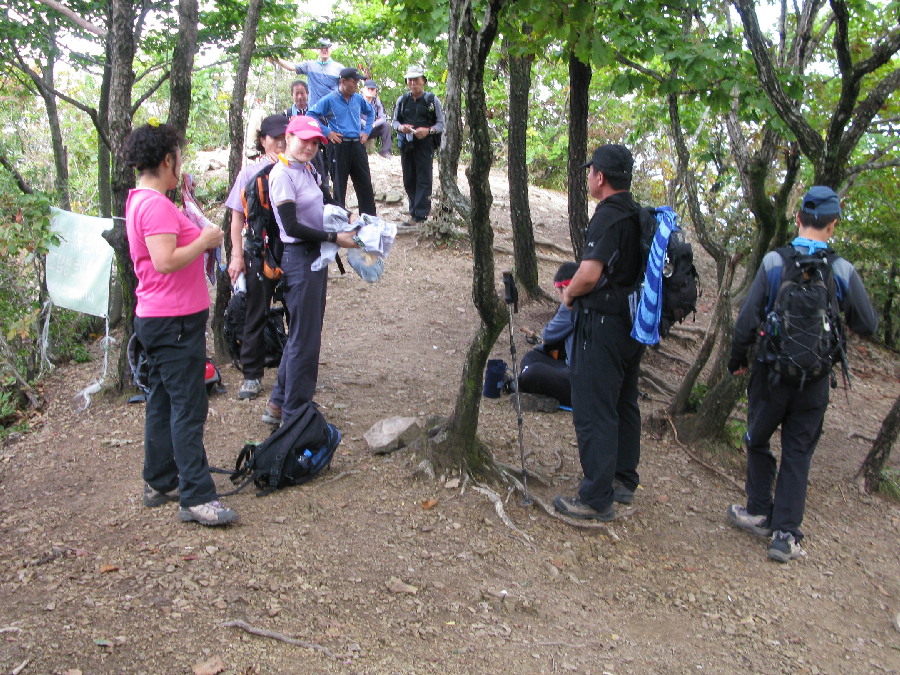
323, 74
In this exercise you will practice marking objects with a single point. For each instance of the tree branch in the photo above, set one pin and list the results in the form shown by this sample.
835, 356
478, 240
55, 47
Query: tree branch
20, 180
147, 94
75, 18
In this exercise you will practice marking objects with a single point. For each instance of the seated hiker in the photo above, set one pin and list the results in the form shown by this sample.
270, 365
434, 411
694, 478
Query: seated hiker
545, 369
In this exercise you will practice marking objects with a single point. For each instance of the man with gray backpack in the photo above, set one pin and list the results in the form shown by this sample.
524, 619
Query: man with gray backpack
792, 319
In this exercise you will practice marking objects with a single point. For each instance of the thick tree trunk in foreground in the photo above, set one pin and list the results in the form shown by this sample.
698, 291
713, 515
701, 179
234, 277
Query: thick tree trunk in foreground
183, 66
579, 82
872, 466
235, 160
526, 270
461, 448
121, 40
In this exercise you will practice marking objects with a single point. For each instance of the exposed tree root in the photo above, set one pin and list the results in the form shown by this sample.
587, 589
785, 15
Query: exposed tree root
716, 470
674, 357
501, 512
660, 386
243, 625
548, 508
334, 479
517, 471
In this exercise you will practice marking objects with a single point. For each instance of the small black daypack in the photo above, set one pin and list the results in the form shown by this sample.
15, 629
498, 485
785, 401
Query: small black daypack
802, 336
293, 454
261, 229
679, 294
274, 333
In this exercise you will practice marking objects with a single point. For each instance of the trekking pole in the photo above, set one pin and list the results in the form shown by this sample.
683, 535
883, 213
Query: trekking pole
512, 301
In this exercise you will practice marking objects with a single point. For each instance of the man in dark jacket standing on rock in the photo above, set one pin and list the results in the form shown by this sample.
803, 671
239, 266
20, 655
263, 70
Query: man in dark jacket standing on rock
773, 400
605, 359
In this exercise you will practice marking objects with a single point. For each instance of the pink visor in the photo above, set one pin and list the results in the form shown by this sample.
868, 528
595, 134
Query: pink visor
306, 128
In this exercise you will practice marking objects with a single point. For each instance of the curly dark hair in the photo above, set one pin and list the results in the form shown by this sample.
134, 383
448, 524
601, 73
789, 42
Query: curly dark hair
148, 145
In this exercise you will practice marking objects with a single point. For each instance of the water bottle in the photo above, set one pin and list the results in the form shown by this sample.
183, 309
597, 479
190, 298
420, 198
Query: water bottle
305, 462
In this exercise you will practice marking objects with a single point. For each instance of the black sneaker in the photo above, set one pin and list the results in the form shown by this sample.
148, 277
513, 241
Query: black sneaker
153, 498
575, 508
621, 493
784, 547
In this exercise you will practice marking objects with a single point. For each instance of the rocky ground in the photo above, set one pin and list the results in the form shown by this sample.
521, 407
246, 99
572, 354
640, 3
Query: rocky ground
370, 570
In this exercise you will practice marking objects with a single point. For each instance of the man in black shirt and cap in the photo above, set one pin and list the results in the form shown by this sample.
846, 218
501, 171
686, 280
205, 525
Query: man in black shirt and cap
606, 360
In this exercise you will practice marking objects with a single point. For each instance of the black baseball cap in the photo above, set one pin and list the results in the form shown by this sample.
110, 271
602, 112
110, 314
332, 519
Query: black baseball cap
613, 160
351, 73
274, 125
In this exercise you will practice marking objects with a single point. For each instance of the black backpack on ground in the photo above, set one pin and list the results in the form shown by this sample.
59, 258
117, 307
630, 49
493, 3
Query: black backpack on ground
679, 294
293, 454
802, 336
261, 229
274, 332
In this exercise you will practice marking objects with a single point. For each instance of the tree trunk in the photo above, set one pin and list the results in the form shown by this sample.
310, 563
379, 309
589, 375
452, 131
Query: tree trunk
579, 84
235, 160
183, 66
121, 39
458, 56
60, 151
526, 271
870, 471
104, 186
709, 422
461, 447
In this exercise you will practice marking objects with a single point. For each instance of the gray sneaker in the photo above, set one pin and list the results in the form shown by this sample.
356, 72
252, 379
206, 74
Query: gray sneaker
739, 517
210, 513
250, 389
784, 547
272, 415
621, 493
575, 508
153, 498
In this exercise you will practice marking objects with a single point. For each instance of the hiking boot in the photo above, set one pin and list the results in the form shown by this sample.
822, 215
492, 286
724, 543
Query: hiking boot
738, 516
210, 513
153, 498
249, 389
621, 493
575, 508
784, 547
272, 415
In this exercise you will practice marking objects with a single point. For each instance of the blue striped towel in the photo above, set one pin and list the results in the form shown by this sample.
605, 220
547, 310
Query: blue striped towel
649, 310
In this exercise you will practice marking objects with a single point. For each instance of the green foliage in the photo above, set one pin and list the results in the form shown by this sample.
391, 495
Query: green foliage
698, 393
889, 485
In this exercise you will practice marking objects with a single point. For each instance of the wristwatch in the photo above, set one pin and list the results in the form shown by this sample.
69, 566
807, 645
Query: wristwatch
431, 131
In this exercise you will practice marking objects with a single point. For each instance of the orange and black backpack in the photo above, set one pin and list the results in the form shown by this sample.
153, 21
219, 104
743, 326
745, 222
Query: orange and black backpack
260, 228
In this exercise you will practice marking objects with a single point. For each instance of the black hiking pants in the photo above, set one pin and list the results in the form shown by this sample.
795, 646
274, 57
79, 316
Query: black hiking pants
349, 160
176, 406
417, 161
605, 364
801, 415
259, 298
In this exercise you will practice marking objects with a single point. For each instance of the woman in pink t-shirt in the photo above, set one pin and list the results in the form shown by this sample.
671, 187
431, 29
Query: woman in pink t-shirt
172, 310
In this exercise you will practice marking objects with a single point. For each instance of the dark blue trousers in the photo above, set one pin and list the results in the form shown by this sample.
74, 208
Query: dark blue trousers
176, 406
416, 159
304, 296
801, 414
605, 366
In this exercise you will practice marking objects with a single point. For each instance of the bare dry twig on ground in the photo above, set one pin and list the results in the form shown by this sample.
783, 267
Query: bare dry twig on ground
262, 632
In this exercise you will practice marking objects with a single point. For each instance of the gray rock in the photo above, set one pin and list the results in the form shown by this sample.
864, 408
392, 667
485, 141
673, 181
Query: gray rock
393, 197
391, 434
535, 403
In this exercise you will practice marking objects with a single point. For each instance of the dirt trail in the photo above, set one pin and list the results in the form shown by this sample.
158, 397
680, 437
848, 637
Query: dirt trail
92, 582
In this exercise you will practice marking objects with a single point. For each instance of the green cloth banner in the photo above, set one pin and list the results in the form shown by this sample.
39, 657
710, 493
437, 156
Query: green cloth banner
78, 270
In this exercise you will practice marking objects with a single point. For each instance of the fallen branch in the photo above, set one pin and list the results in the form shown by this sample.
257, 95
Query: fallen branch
262, 632
19, 668
706, 465
556, 247
855, 434
501, 512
